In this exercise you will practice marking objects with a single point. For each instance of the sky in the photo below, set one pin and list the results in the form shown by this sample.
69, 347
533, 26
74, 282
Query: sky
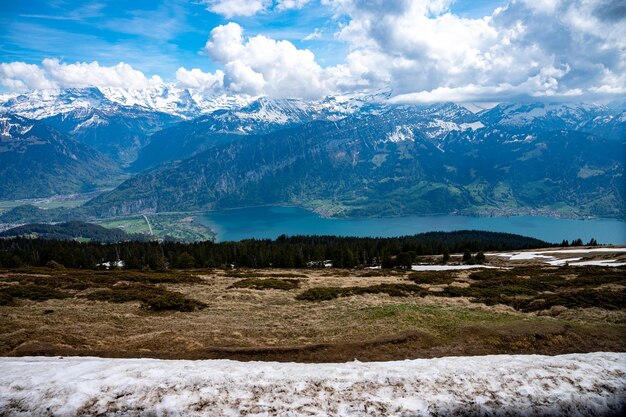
419, 50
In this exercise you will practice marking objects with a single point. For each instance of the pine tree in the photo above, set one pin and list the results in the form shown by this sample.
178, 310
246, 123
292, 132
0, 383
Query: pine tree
446, 256
480, 257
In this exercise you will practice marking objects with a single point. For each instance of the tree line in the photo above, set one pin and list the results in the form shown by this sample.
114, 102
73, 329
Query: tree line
282, 252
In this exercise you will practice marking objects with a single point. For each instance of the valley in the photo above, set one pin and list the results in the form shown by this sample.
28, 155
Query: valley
347, 157
180, 226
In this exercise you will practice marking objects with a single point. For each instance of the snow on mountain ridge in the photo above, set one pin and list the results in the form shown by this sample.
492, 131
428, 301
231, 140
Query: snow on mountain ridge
434, 120
13, 125
40, 104
400, 134
521, 114
180, 102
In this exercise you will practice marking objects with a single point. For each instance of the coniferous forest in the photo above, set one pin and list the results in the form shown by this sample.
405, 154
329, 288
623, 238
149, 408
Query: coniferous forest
283, 252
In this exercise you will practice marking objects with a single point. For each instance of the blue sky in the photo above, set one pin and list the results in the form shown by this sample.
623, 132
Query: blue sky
419, 50
157, 37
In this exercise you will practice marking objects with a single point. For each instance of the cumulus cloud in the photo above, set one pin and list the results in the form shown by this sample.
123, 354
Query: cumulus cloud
530, 48
92, 74
52, 74
418, 49
198, 80
423, 52
261, 65
18, 76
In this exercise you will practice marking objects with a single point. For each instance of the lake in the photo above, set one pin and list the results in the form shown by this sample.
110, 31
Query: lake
270, 222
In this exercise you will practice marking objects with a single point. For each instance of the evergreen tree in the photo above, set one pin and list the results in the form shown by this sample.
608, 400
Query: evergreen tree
185, 261
446, 256
387, 262
480, 257
404, 260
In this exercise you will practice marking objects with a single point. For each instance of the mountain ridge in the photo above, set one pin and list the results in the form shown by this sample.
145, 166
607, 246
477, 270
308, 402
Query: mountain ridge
347, 155
37, 160
369, 168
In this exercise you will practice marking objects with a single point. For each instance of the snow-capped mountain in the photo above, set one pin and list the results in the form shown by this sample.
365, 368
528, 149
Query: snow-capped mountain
178, 102
89, 116
234, 151
261, 116
118, 134
38, 161
380, 165
39, 104
434, 121
543, 116
119, 122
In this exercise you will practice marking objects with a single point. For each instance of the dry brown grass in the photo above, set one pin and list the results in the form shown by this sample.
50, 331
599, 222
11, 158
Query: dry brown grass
244, 323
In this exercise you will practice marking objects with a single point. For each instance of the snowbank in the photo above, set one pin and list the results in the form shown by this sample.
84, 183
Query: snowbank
546, 256
448, 267
574, 385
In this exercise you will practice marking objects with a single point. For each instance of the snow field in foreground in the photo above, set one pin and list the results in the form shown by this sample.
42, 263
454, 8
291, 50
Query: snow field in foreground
573, 385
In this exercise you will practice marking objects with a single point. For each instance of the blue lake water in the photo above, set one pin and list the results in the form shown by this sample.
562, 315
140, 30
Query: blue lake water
271, 222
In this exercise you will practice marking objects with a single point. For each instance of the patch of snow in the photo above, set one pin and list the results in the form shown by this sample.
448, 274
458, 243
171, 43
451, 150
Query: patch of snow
107, 265
588, 250
552, 260
472, 126
604, 262
541, 254
400, 134
575, 384
7, 128
561, 262
478, 107
443, 125
94, 120
448, 267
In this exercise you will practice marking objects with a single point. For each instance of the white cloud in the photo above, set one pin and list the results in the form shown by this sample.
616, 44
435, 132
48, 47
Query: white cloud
18, 76
530, 48
316, 34
543, 6
241, 78
198, 80
260, 65
231, 8
92, 74
290, 4
52, 74
417, 48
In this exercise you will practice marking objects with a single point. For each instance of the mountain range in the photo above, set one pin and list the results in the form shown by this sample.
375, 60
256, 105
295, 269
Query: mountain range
38, 160
341, 156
